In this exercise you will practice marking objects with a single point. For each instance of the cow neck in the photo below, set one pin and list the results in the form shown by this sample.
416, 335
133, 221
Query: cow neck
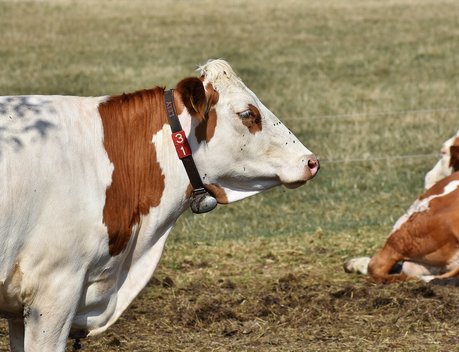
202, 201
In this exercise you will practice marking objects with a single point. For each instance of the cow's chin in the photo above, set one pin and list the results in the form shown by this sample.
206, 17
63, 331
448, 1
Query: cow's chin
293, 185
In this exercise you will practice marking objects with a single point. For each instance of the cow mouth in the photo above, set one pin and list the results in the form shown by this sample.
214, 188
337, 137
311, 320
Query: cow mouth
294, 177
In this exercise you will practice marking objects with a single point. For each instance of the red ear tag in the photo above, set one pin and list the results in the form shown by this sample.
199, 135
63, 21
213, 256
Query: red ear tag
181, 144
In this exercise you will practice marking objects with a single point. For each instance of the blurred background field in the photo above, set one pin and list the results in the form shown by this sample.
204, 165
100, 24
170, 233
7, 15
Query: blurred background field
372, 87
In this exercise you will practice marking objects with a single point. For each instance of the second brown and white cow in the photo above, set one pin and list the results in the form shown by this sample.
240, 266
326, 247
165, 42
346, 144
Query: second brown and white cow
91, 187
424, 242
448, 163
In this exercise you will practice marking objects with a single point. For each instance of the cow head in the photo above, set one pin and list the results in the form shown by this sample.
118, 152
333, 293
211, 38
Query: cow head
448, 163
239, 146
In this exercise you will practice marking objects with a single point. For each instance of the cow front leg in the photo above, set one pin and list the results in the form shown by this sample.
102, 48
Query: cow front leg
381, 265
49, 317
16, 332
47, 327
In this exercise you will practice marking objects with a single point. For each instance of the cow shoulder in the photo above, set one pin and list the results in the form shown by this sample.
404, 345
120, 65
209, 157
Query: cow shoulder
129, 122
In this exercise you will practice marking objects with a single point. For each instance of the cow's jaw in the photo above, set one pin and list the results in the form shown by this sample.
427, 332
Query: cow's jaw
227, 190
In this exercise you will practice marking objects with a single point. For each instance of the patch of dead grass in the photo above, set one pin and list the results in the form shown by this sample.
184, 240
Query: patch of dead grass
276, 295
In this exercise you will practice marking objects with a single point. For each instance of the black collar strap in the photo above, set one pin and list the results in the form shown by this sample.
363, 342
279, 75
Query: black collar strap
202, 201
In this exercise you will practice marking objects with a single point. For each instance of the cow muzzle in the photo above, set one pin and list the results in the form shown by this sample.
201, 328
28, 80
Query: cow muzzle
304, 170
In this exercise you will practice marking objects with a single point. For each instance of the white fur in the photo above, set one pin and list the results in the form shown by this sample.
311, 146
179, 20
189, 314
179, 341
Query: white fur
53, 178
357, 265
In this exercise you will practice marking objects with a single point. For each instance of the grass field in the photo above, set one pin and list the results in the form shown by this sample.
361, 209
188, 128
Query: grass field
354, 80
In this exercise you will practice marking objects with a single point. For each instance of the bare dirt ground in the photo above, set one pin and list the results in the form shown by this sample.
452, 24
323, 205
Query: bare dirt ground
290, 313
272, 296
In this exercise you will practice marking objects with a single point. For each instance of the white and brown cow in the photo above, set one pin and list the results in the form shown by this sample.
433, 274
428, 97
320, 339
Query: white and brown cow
424, 242
448, 163
90, 188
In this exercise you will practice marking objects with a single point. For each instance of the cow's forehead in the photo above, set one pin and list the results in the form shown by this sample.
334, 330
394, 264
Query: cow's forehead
220, 74
230, 87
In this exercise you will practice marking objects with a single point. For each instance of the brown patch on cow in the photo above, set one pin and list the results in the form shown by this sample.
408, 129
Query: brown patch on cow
189, 191
129, 122
454, 160
206, 129
253, 122
218, 193
454, 152
211, 95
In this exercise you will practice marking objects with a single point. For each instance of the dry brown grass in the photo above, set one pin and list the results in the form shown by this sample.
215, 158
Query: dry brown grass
275, 295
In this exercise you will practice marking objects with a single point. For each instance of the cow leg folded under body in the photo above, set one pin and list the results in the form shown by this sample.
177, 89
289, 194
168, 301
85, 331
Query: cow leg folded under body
381, 264
359, 265
383, 267
433, 274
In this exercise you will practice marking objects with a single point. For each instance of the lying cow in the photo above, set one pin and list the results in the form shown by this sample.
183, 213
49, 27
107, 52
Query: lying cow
91, 187
448, 163
424, 242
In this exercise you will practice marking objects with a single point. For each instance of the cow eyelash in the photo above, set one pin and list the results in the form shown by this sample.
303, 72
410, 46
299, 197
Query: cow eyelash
245, 114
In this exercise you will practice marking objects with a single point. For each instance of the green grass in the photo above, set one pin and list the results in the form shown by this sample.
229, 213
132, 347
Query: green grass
345, 76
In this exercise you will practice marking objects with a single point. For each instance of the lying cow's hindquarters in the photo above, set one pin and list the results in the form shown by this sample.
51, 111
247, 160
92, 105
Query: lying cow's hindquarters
425, 241
91, 188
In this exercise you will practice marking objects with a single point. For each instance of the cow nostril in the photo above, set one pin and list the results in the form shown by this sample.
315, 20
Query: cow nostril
313, 163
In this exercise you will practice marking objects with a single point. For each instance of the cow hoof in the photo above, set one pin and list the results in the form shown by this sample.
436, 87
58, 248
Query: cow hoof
357, 265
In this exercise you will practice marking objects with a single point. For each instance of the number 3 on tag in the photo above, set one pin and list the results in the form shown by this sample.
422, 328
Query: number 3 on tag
181, 144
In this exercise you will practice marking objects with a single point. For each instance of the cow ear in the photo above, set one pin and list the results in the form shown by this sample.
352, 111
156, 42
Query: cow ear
193, 96
454, 161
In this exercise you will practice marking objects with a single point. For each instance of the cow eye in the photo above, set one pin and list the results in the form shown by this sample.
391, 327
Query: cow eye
245, 114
